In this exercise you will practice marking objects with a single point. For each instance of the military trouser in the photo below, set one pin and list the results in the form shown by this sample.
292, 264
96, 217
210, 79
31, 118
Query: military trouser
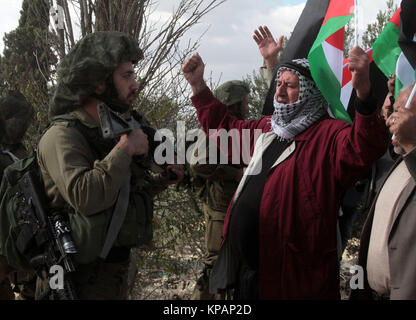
113, 281
214, 223
6, 292
24, 283
21, 282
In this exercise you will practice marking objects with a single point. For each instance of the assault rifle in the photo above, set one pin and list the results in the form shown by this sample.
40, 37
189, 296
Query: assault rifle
113, 126
53, 235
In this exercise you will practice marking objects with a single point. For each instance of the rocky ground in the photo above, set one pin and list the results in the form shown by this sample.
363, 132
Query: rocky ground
349, 259
154, 284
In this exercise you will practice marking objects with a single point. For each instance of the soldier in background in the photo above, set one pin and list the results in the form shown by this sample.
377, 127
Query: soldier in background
15, 117
219, 182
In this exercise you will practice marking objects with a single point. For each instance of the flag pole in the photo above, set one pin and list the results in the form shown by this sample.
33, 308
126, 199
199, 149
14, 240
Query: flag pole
411, 97
356, 23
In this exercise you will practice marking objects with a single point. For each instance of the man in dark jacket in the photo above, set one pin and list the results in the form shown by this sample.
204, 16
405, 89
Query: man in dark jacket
387, 247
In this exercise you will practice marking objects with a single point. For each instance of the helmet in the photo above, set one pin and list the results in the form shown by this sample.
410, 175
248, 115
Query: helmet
16, 113
91, 61
232, 92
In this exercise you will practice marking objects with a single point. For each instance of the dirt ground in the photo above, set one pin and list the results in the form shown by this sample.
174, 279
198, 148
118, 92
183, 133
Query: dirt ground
152, 284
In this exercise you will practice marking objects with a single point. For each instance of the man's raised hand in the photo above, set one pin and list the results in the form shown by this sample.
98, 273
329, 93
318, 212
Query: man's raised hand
193, 70
268, 47
359, 64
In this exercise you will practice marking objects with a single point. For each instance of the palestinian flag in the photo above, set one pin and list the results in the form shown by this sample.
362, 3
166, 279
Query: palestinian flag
406, 64
405, 72
346, 87
386, 47
395, 48
327, 55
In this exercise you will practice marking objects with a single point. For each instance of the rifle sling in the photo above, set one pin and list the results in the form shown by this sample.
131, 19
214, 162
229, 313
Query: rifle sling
117, 219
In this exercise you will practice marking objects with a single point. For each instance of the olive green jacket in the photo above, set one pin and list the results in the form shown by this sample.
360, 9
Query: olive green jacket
88, 188
18, 150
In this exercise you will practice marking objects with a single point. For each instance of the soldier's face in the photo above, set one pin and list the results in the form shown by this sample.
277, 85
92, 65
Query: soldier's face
125, 82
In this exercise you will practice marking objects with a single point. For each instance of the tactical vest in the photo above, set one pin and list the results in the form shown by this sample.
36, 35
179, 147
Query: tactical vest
216, 194
89, 232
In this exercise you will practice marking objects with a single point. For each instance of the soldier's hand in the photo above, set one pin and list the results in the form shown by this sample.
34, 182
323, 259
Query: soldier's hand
360, 68
193, 70
177, 169
135, 144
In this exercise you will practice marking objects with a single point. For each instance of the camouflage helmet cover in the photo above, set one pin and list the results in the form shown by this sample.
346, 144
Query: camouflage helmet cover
92, 60
16, 113
232, 92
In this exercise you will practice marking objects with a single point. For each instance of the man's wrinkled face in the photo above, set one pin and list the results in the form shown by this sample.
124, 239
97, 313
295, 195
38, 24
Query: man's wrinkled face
287, 89
401, 102
125, 82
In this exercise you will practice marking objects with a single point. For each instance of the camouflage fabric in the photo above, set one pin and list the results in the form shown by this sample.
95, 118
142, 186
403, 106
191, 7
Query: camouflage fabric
16, 113
232, 92
92, 60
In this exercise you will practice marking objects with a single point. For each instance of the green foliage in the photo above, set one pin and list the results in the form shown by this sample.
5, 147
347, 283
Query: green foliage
258, 92
175, 259
349, 37
27, 59
374, 29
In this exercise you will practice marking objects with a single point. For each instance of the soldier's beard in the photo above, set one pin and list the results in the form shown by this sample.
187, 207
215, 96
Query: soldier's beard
111, 98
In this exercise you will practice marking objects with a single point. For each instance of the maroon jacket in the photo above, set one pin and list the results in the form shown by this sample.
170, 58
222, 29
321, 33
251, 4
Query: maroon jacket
301, 199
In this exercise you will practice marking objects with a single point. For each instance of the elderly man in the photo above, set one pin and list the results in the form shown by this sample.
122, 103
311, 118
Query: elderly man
280, 231
387, 248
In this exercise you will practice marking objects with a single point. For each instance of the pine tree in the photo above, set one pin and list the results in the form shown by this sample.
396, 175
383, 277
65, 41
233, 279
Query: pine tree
27, 59
374, 29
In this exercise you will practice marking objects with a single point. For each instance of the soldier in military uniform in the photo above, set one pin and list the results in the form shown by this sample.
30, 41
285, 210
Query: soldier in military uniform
15, 117
219, 184
83, 173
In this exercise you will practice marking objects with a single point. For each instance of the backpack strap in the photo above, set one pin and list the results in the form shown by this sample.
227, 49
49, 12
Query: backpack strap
119, 214
11, 155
